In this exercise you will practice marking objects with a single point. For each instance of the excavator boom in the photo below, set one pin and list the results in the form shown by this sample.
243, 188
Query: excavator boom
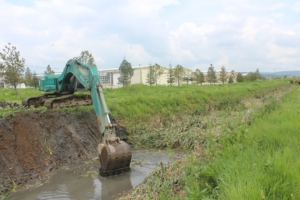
115, 155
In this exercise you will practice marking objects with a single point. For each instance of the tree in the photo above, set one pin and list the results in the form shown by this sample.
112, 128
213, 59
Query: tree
250, 76
257, 74
178, 73
171, 77
187, 77
211, 74
35, 80
253, 76
49, 70
28, 78
12, 66
198, 76
231, 77
201, 78
223, 75
151, 75
126, 72
2, 70
239, 77
158, 71
195, 76
87, 58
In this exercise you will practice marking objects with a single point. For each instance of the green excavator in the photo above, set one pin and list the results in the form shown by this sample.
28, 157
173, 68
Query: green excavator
115, 155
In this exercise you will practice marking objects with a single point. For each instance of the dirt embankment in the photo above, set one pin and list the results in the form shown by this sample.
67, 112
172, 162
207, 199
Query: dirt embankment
33, 143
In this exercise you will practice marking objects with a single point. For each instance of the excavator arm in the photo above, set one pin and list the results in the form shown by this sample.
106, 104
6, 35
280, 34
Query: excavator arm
75, 72
115, 155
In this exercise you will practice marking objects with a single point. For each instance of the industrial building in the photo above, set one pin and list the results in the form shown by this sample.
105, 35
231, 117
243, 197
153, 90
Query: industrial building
109, 77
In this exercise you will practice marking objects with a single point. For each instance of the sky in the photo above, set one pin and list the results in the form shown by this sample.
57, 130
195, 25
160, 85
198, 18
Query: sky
242, 35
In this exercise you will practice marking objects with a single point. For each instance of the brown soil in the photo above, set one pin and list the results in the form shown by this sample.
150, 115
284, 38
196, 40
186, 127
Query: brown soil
33, 143
4, 104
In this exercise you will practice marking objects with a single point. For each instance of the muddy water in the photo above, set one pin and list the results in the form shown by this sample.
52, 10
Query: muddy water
83, 182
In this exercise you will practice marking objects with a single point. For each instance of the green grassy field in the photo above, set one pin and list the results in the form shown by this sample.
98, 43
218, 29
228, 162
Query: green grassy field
263, 163
8, 94
140, 104
232, 152
254, 160
147, 104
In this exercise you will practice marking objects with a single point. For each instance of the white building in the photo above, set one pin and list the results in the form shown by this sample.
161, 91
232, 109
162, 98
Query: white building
109, 77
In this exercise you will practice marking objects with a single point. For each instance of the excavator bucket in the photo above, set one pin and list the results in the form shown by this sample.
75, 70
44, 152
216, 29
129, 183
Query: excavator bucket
115, 158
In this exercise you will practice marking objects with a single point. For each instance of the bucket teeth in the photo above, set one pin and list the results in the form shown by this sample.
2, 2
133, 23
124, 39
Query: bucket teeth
114, 158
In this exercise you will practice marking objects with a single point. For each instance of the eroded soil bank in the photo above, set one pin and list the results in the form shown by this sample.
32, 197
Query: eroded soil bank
33, 143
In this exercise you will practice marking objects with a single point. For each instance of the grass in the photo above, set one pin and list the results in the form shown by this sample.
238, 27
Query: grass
8, 94
253, 157
182, 128
12, 189
266, 164
169, 117
139, 104
147, 104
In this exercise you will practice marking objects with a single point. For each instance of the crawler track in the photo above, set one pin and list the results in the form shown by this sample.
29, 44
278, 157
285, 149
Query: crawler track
52, 101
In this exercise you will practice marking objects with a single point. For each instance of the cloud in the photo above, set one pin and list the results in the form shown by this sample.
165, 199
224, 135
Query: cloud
242, 35
146, 8
296, 6
250, 30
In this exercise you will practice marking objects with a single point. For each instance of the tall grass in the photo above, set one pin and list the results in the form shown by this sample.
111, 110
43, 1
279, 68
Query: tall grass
140, 103
254, 156
265, 163
143, 104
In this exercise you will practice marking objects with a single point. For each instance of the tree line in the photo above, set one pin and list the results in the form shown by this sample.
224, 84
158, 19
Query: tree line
12, 68
178, 74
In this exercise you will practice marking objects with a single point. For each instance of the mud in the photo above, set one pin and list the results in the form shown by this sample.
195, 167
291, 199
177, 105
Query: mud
33, 143
4, 104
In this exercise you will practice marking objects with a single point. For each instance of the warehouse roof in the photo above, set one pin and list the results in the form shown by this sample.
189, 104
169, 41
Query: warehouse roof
135, 67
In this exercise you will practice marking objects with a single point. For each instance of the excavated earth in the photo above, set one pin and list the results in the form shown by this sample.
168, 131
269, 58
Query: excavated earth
33, 143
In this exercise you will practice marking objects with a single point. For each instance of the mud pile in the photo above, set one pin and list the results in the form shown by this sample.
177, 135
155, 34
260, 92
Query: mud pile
8, 104
33, 143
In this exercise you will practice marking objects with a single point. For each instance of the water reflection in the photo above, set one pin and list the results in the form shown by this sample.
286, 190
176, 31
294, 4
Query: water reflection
113, 187
71, 184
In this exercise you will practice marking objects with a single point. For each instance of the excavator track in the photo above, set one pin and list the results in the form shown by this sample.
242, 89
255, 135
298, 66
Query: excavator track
68, 101
52, 101
34, 101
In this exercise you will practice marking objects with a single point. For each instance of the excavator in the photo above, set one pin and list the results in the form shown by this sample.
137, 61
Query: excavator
115, 155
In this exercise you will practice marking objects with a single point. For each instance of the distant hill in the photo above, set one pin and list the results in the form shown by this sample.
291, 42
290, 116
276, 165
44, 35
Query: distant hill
278, 74
281, 74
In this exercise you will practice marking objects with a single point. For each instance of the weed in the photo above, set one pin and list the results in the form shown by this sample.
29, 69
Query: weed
47, 145
12, 189
92, 174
